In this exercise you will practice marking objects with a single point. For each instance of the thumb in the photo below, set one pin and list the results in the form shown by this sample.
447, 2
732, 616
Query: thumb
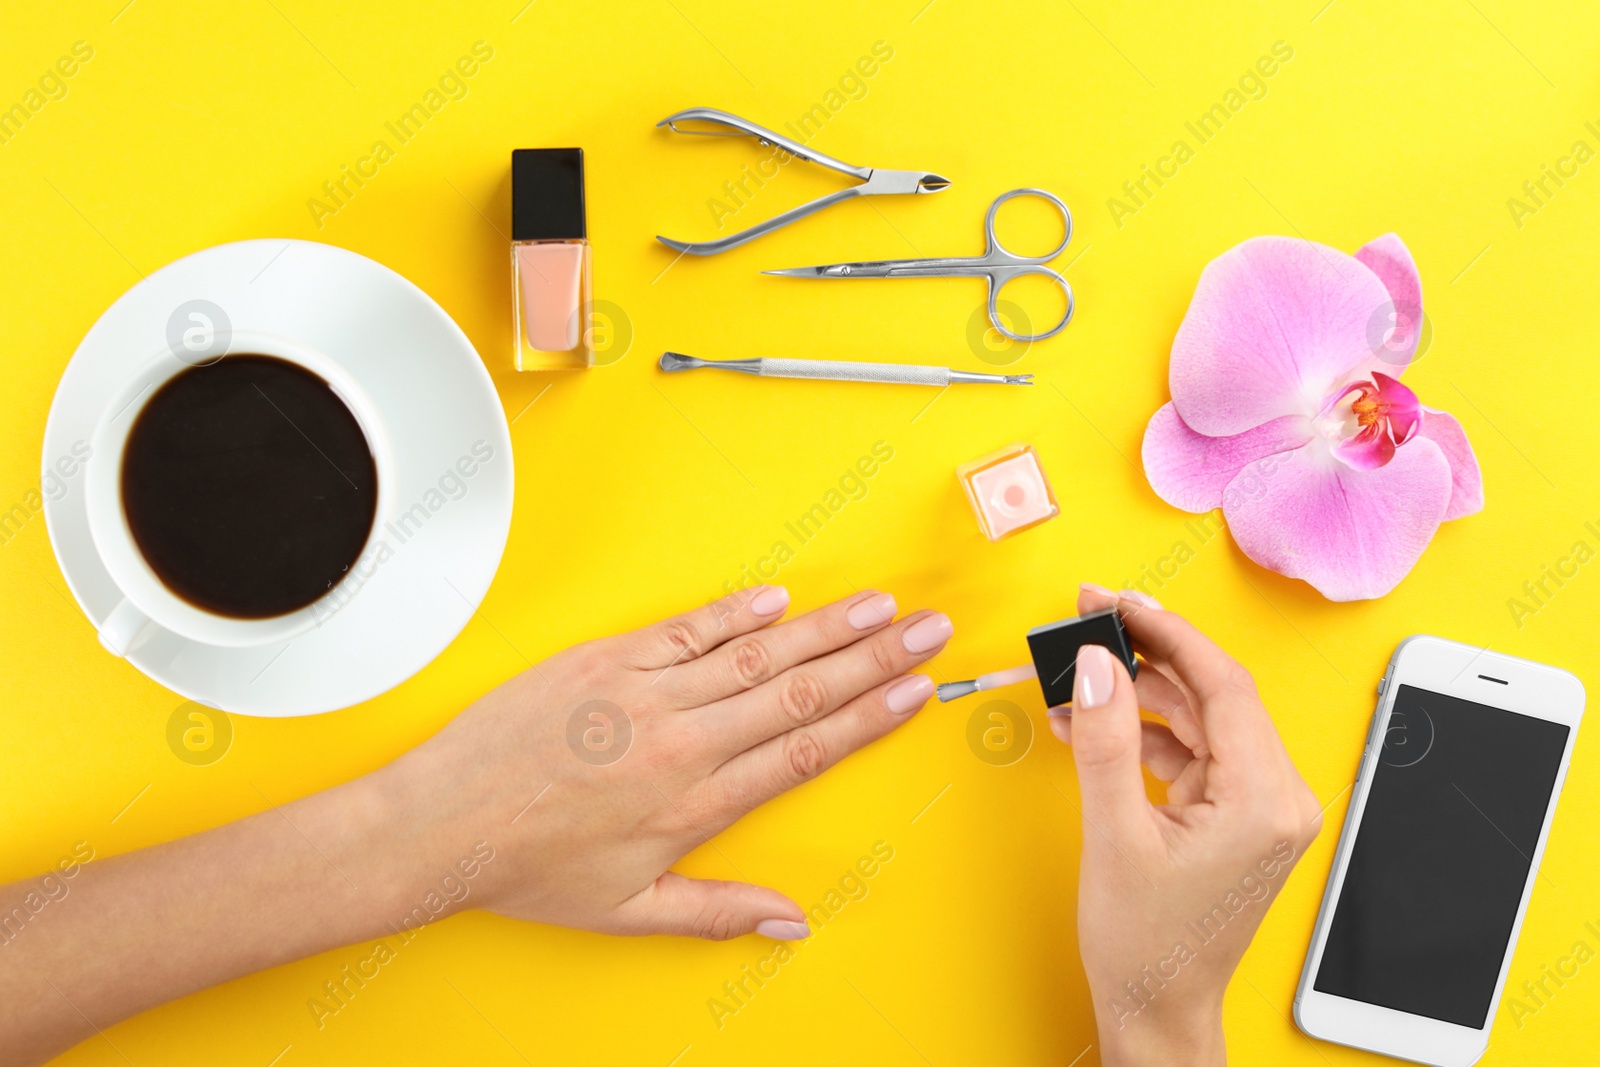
1106, 740
716, 911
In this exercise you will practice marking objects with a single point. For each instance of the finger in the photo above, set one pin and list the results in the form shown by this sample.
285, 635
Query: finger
1107, 743
749, 660
1163, 636
1159, 750
716, 911
1193, 786
1194, 662
1092, 598
1157, 690
812, 691
1159, 694
687, 637
1164, 754
799, 755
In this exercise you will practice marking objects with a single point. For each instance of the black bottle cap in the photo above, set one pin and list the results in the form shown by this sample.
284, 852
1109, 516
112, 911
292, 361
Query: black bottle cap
547, 195
1055, 650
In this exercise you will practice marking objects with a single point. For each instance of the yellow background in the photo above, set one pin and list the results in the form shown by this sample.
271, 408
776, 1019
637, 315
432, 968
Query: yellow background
196, 124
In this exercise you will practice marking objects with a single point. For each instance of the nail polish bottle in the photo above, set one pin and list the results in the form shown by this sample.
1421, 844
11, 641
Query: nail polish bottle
1008, 491
550, 261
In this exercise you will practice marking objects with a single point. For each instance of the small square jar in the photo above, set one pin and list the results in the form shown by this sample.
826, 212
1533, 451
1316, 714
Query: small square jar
1008, 491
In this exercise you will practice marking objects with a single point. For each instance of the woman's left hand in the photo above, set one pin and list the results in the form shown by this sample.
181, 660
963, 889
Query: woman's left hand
591, 773
564, 796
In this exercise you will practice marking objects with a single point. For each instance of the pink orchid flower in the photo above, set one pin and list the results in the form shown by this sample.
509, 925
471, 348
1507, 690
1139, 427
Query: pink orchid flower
1287, 412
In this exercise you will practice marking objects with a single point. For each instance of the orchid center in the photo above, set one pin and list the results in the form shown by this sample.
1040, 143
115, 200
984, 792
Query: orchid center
1365, 421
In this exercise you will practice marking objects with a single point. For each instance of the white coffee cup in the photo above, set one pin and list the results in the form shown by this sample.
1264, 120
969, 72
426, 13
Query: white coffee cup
147, 604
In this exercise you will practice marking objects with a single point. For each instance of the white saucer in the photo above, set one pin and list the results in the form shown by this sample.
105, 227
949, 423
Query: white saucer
433, 394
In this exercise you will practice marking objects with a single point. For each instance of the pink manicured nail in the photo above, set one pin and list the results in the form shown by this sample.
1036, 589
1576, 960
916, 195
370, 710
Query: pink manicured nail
908, 694
927, 633
1060, 711
770, 601
1094, 681
1144, 600
1090, 587
873, 611
783, 930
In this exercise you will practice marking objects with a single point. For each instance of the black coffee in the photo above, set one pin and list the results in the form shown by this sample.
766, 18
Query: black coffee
248, 486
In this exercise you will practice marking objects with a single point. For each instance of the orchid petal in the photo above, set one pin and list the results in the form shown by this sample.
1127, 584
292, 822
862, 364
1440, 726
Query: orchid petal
1335, 399
1276, 324
1190, 471
1394, 340
1352, 534
1401, 406
1466, 496
1367, 450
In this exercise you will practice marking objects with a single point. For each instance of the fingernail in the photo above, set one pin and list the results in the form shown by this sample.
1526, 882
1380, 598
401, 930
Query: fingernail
927, 633
873, 611
1094, 680
908, 694
783, 930
772, 600
1144, 600
1062, 711
1090, 587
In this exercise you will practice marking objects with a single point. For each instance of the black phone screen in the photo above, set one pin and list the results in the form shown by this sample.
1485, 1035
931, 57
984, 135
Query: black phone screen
1441, 856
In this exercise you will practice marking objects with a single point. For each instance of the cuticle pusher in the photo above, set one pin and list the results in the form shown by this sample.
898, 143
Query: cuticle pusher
842, 370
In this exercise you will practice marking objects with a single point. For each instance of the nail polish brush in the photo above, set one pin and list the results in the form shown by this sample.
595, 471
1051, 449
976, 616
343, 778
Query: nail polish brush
1054, 648
949, 691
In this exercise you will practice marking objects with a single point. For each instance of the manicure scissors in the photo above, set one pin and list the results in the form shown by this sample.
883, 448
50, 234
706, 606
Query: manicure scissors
998, 265
874, 180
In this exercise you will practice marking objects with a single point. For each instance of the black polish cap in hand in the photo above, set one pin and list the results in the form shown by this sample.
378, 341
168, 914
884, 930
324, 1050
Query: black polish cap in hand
1055, 650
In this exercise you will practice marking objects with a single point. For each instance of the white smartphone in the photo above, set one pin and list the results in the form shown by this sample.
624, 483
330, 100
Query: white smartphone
1439, 853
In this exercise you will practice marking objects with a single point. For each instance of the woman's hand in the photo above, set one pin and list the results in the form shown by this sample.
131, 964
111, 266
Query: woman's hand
1170, 895
563, 796
592, 773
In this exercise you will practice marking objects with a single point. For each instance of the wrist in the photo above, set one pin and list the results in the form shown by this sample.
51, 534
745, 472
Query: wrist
423, 852
372, 853
1170, 1038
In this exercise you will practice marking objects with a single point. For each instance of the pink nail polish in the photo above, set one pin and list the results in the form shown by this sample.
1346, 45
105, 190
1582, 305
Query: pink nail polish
783, 930
550, 259
873, 611
1099, 590
927, 633
1144, 600
908, 694
770, 601
1060, 711
1008, 491
1094, 680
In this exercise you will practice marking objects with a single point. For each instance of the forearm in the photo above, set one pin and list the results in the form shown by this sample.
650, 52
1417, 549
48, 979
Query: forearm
135, 931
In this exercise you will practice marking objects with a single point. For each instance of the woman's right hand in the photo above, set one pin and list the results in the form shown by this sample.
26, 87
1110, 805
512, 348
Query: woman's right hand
1170, 894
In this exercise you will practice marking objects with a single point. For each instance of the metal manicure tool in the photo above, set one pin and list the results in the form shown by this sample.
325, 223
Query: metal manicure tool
841, 370
998, 265
874, 181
